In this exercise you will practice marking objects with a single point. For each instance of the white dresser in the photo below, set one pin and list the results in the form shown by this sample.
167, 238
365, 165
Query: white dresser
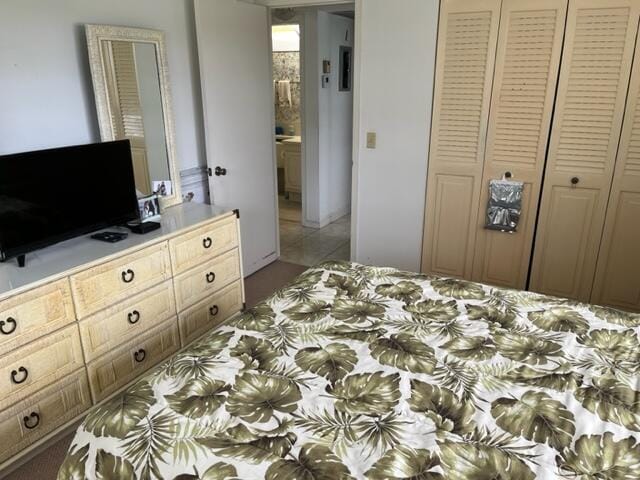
85, 318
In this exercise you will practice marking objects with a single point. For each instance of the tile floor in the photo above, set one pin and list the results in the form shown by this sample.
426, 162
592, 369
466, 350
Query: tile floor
309, 246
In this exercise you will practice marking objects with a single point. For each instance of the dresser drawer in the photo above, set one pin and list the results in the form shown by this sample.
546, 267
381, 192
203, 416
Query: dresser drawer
111, 282
203, 243
28, 421
202, 281
204, 316
110, 328
116, 369
35, 313
30, 368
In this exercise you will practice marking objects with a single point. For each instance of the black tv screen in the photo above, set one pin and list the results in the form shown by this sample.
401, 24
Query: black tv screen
52, 195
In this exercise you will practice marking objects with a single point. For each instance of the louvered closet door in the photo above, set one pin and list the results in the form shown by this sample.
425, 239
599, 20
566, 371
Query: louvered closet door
464, 71
594, 79
526, 73
618, 274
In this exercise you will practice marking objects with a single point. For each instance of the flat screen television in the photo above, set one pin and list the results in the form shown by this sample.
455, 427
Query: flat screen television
52, 195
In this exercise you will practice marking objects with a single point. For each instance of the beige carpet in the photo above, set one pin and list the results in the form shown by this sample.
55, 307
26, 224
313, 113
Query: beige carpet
257, 287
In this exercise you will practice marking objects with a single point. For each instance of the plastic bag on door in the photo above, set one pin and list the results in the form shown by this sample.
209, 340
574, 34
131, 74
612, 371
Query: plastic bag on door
505, 205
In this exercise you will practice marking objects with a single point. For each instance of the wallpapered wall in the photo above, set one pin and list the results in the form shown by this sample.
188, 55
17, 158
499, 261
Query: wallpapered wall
286, 66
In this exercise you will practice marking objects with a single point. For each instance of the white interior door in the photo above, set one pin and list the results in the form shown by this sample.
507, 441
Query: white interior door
235, 71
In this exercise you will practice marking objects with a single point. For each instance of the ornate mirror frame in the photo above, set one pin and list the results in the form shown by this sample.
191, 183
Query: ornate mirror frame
96, 34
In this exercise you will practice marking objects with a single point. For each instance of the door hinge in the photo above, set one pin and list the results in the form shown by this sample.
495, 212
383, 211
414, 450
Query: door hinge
237, 212
209, 172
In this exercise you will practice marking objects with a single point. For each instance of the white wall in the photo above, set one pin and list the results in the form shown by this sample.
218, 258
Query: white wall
395, 70
328, 120
339, 147
46, 96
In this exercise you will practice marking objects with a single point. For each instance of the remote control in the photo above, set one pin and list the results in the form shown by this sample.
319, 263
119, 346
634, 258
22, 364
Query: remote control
111, 237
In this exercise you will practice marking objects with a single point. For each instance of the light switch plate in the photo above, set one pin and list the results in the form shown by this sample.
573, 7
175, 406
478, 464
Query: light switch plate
371, 139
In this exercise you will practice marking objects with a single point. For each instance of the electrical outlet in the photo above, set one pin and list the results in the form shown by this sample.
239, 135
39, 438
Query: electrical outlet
371, 139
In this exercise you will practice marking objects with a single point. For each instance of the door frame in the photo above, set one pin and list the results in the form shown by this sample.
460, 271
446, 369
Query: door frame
356, 139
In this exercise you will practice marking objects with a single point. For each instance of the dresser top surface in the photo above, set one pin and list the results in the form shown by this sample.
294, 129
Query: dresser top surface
53, 261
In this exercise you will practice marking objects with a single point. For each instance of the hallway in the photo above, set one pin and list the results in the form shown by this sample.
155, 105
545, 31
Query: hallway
309, 246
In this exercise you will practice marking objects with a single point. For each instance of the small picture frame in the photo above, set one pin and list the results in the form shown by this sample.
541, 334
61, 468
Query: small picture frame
162, 188
149, 208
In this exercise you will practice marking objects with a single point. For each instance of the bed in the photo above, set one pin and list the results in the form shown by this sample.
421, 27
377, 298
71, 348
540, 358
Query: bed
362, 372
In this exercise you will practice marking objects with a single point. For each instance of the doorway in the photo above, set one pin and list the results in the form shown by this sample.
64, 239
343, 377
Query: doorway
313, 109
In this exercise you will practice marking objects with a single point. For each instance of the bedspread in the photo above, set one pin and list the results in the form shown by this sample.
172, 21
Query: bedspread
363, 372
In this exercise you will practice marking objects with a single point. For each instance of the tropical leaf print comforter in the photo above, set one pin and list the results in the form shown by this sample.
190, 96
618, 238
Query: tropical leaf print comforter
356, 372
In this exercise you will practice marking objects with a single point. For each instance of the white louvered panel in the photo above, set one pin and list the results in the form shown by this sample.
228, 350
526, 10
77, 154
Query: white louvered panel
462, 99
617, 282
632, 157
602, 33
594, 80
126, 81
520, 109
467, 39
526, 73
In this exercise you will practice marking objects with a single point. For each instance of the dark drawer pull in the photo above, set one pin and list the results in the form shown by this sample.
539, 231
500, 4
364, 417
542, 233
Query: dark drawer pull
207, 242
133, 317
575, 181
211, 277
128, 276
27, 421
214, 310
140, 355
10, 321
14, 374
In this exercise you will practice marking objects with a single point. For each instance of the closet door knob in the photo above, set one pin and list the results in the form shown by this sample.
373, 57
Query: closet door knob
31, 424
211, 277
14, 375
133, 317
575, 181
10, 330
214, 310
140, 355
128, 276
207, 242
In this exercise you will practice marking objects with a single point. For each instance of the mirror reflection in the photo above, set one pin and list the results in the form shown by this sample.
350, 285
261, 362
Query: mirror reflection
136, 112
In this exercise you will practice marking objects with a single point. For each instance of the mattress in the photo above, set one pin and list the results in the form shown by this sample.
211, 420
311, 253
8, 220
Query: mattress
361, 372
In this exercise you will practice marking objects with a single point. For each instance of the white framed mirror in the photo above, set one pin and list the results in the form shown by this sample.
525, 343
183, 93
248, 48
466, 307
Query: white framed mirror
133, 98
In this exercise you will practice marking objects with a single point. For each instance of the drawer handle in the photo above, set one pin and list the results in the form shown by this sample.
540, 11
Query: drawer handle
575, 181
14, 374
140, 355
27, 421
211, 277
133, 317
207, 242
11, 321
214, 310
128, 276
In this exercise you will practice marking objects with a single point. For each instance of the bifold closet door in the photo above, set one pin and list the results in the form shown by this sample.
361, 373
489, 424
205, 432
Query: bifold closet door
594, 79
617, 280
467, 36
526, 73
